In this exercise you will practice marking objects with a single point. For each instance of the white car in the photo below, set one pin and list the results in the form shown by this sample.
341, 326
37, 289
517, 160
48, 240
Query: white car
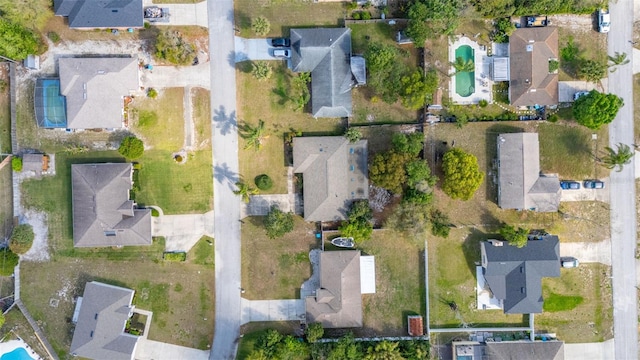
281, 53
604, 21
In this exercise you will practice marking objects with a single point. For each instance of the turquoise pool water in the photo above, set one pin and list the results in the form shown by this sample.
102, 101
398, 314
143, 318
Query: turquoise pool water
465, 81
17, 354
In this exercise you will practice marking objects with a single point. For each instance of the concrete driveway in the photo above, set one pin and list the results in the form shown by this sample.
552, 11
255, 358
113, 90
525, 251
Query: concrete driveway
186, 14
566, 89
583, 194
254, 49
181, 232
588, 252
177, 76
272, 310
155, 350
589, 351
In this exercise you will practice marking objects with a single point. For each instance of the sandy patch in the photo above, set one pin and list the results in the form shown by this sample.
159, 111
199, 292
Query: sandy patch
40, 249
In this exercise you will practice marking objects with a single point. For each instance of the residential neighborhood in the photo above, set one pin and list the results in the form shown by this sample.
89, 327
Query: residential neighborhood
327, 179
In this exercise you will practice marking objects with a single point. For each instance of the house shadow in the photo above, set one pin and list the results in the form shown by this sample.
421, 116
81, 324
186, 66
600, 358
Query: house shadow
491, 155
471, 248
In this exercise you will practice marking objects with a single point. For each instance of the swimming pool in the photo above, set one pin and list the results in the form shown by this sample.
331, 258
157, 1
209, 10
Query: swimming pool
50, 104
17, 354
465, 81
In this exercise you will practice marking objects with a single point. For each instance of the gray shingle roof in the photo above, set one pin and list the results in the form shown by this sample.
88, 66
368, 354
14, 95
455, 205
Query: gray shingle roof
530, 50
515, 274
525, 350
101, 13
334, 175
326, 53
97, 86
103, 215
520, 184
338, 302
99, 333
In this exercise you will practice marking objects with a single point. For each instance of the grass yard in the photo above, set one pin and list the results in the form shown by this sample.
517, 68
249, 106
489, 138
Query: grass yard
6, 206
17, 325
201, 108
577, 305
275, 268
274, 108
591, 44
160, 121
284, 15
399, 284
181, 295
5, 111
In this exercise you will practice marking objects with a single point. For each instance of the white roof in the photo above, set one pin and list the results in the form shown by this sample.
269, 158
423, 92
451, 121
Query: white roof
500, 69
367, 275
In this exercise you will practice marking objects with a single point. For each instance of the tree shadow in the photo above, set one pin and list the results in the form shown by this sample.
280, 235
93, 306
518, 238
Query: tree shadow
117, 136
225, 122
222, 174
491, 155
242, 20
471, 248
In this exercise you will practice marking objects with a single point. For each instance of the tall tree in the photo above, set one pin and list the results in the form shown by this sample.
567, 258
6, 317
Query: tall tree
384, 350
358, 225
460, 65
592, 70
254, 135
417, 89
618, 59
431, 19
410, 144
245, 191
596, 109
515, 237
387, 170
278, 222
617, 159
462, 175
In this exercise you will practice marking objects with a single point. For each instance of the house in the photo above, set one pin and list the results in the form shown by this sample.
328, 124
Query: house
93, 86
530, 51
520, 184
103, 214
508, 350
101, 14
514, 274
326, 54
344, 277
334, 173
102, 314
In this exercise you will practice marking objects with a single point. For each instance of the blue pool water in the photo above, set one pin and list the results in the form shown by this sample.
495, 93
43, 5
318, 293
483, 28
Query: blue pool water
17, 354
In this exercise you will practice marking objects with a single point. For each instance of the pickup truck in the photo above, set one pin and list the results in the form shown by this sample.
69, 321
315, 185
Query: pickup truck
537, 21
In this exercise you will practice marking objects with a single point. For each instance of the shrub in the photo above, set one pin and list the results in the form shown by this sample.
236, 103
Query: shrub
131, 147
16, 164
553, 66
53, 36
366, 15
8, 261
261, 26
278, 222
263, 182
314, 332
352, 5
17, 41
178, 158
170, 46
137, 166
353, 135
152, 93
261, 70
356, 15
21, 238
359, 225
483, 103
154, 212
175, 256
553, 118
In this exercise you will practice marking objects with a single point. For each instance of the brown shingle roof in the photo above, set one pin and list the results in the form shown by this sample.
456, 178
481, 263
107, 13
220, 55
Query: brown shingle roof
416, 327
529, 52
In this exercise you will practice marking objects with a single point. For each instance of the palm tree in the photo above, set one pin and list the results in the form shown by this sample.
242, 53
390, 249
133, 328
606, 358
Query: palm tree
463, 66
254, 135
617, 159
618, 59
245, 191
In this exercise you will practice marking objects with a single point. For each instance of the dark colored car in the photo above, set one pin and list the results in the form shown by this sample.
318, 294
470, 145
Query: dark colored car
593, 184
569, 185
280, 42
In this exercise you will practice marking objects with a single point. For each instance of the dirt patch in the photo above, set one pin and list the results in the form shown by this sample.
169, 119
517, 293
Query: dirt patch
40, 249
574, 22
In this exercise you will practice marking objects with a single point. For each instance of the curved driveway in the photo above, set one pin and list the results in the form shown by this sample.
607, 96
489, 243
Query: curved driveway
226, 204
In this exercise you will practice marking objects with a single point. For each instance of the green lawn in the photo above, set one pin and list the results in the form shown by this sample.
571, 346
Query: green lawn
202, 253
591, 45
555, 302
201, 107
5, 111
6, 206
160, 121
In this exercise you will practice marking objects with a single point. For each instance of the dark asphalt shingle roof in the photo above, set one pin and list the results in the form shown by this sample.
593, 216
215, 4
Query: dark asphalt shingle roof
99, 333
326, 53
520, 184
335, 173
515, 274
103, 214
101, 13
525, 350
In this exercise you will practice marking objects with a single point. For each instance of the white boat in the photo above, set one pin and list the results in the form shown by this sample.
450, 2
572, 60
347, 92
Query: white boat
345, 242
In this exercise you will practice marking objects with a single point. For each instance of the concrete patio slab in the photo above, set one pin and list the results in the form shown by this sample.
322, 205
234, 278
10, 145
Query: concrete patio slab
155, 350
272, 310
181, 232
566, 89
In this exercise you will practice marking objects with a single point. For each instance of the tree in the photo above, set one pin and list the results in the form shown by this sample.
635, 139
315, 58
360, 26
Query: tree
409, 217
268, 342
503, 28
314, 332
384, 350
152, 93
261, 26
410, 144
291, 348
617, 159
171, 46
592, 70
432, 19
263, 182
359, 225
278, 222
439, 223
460, 65
596, 109
353, 134
417, 28
8, 261
257, 354
131, 147
419, 175
385, 71
417, 89
261, 70
618, 59
387, 170
462, 175
345, 349
17, 41
16, 164
21, 238
245, 191
515, 237
254, 135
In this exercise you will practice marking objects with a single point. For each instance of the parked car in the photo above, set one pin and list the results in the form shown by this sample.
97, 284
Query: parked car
281, 53
604, 21
593, 184
570, 185
280, 42
569, 262
579, 94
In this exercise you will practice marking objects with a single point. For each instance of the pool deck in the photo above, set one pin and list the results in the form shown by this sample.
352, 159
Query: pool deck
483, 85
9, 346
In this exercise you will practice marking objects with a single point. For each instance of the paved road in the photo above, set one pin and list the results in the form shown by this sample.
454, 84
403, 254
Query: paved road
623, 191
226, 204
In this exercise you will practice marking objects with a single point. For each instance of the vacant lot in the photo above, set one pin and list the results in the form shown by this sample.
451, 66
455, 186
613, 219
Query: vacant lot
181, 295
275, 108
284, 15
452, 277
160, 121
275, 268
591, 46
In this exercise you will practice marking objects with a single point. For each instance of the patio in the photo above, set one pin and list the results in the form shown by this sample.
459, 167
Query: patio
482, 82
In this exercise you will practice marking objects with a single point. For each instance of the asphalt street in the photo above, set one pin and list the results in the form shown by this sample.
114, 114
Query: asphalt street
623, 191
226, 204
